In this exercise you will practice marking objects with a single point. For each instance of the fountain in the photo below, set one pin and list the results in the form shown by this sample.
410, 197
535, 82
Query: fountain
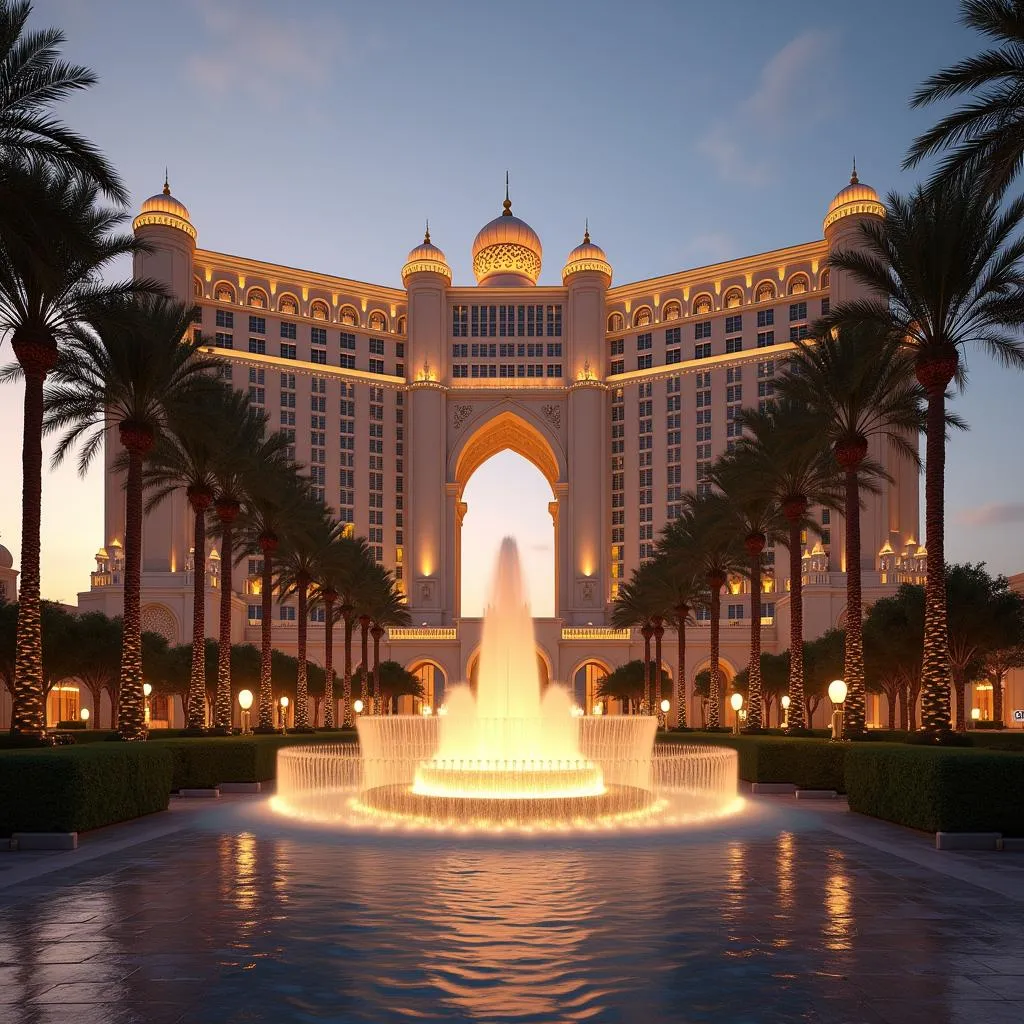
507, 756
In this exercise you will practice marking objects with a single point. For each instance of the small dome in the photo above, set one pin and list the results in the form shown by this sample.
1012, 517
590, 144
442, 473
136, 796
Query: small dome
507, 251
6, 558
856, 198
587, 256
426, 258
163, 209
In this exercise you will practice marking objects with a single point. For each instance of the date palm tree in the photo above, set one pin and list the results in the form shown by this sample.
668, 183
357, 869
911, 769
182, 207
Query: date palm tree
33, 78
636, 605
984, 139
859, 382
945, 272
789, 459
387, 607
133, 367
355, 572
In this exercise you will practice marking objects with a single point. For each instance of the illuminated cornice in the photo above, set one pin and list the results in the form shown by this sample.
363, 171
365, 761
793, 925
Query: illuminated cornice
164, 219
698, 365
309, 369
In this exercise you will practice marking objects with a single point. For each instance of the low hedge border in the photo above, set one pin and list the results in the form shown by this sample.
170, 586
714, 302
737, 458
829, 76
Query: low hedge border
73, 789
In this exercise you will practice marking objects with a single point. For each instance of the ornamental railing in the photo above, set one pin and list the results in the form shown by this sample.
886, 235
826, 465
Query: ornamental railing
594, 633
423, 633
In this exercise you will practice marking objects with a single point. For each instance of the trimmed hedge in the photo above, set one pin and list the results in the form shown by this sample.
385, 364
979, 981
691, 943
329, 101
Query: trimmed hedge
938, 789
73, 789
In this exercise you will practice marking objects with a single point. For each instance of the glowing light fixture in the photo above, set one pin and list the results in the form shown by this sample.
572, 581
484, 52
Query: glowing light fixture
427, 710
837, 691
358, 707
837, 694
736, 701
84, 714
245, 702
976, 714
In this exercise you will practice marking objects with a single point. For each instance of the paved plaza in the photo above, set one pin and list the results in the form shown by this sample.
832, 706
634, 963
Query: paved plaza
221, 914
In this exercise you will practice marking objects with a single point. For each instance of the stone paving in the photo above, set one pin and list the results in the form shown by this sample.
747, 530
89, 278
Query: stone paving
787, 914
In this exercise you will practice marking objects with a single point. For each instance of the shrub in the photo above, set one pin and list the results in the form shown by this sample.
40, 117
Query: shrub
1006, 739
938, 789
71, 723
73, 789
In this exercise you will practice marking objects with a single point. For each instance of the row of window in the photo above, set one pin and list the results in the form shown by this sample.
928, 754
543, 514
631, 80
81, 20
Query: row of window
496, 371
463, 350
507, 321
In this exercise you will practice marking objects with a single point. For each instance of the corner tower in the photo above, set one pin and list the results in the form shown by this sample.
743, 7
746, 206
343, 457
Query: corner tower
853, 206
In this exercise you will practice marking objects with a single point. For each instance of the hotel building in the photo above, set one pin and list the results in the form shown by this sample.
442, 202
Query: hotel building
620, 394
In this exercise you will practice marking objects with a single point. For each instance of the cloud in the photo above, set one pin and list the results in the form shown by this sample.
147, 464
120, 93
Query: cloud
996, 514
744, 143
249, 52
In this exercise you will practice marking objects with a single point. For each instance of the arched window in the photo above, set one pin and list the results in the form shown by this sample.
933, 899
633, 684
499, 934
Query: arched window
765, 292
671, 310
823, 281
403, 325
318, 310
378, 321
349, 316
798, 284
642, 317
288, 304
702, 305
197, 288
733, 298
224, 293
257, 297
615, 323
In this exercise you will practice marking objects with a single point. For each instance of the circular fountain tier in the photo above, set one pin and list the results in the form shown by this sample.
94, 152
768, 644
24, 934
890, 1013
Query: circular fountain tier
512, 780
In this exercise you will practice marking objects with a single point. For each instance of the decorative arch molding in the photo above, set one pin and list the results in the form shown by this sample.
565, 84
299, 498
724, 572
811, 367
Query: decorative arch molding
729, 671
158, 618
506, 431
288, 304
602, 663
544, 665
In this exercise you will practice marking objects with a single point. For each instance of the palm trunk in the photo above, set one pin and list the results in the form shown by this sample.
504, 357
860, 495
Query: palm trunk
346, 692
329, 599
268, 543
960, 689
226, 513
714, 689
997, 698
904, 721
755, 719
645, 708
301, 720
682, 611
912, 695
196, 716
659, 632
364, 683
935, 666
131, 710
376, 633
37, 356
797, 700
854, 710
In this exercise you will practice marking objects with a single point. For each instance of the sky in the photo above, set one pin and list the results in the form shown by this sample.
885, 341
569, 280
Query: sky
321, 134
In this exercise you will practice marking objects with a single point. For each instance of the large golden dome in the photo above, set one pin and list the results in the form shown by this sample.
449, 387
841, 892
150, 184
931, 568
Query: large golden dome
587, 256
165, 210
856, 198
507, 251
426, 258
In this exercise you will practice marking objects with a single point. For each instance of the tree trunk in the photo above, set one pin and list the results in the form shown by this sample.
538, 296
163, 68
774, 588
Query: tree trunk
364, 683
346, 693
37, 355
797, 700
376, 632
997, 698
131, 711
301, 720
196, 717
715, 581
268, 544
227, 511
892, 696
682, 611
915, 692
645, 632
755, 721
935, 675
854, 709
330, 597
960, 688
659, 632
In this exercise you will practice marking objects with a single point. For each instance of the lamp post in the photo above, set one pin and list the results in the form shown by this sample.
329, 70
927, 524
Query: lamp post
785, 711
245, 702
84, 716
147, 689
665, 705
736, 701
284, 714
837, 694
357, 707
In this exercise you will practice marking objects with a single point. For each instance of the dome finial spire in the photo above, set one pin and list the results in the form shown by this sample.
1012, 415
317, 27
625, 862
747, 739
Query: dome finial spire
586, 231
167, 183
507, 205
854, 180
426, 234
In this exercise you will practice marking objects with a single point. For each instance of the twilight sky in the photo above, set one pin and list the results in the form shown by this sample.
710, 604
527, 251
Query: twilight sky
320, 134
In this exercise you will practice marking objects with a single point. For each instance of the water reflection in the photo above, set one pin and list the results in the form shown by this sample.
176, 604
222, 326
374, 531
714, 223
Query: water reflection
838, 924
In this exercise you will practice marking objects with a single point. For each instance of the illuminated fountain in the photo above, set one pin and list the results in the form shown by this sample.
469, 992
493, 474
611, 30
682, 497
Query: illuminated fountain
507, 757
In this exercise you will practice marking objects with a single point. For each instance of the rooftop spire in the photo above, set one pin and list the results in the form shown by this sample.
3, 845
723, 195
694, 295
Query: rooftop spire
167, 184
586, 231
426, 234
854, 180
507, 211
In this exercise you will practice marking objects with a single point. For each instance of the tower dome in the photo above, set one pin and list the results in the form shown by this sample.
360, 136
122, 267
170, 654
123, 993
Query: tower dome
586, 256
856, 198
6, 558
426, 258
507, 251
164, 210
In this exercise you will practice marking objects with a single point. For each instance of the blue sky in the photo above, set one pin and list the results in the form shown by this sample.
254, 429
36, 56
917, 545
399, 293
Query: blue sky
321, 134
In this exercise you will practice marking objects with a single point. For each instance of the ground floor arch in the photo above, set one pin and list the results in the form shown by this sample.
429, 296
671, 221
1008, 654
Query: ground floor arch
434, 680
544, 669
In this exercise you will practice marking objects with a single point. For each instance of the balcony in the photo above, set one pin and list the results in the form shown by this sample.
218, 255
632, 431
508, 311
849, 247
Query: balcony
594, 633
423, 633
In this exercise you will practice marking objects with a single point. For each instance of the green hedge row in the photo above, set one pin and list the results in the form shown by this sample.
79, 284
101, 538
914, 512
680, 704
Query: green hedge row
72, 789
938, 789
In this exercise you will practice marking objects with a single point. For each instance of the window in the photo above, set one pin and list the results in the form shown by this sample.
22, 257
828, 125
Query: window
798, 284
643, 342
797, 311
672, 336
702, 330
348, 361
554, 370
257, 325
702, 305
765, 293
734, 393
826, 516
702, 351
224, 293
460, 321
376, 346
618, 347
765, 317
798, 333
378, 321
615, 323
554, 321
674, 355
672, 310
642, 317
733, 324
286, 613
825, 307
257, 396
225, 318
258, 346
376, 366
222, 340
733, 345
319, 311
288, 351
317, 335
287, 330
555, 350
734, 612
733, 298
766, 369
617, 366
288, 305
644, 362
348, 341
318, 355
826, 537
765, 338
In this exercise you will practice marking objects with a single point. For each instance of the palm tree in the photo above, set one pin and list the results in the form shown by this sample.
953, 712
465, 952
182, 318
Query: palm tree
32, 79
133, 367
703, 533
984, 139
790, 460
945, 272
330, 565
51, 264
859, 382
356, 570
756, 516
386, 604
636, 605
